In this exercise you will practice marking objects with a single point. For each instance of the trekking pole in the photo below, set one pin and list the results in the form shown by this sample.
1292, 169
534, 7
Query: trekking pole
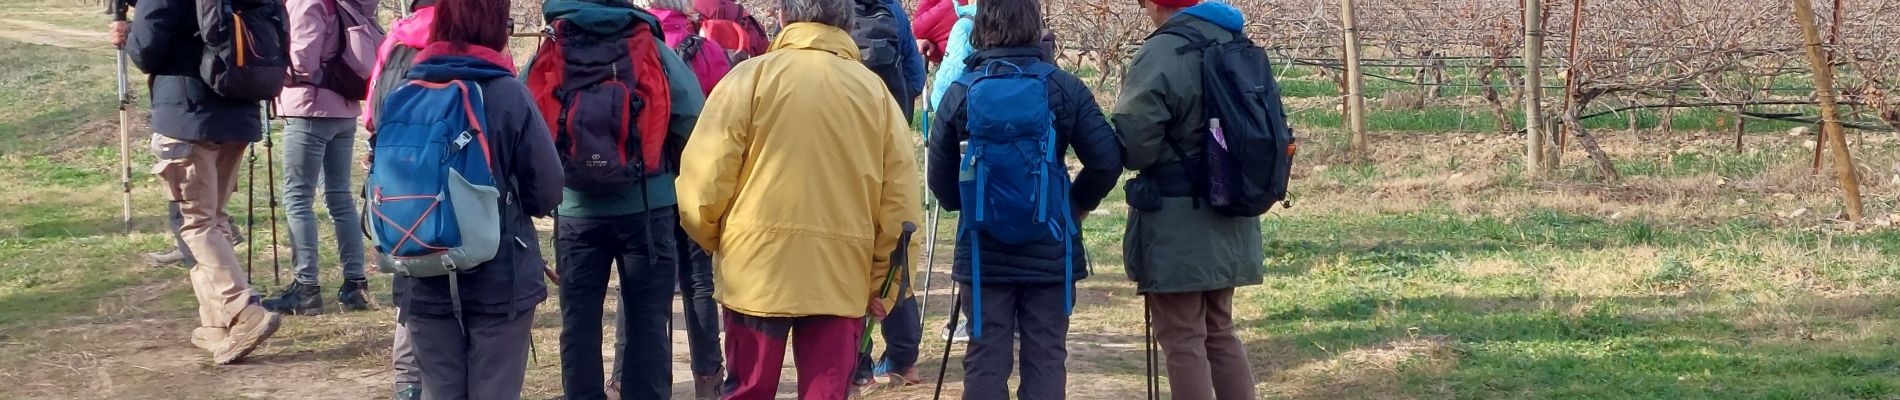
899, 258
270, 182
956, 310
1148, 344
117, 9
250, 214
930, 234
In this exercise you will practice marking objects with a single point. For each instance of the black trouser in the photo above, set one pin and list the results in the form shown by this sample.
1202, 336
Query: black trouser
642, 245
702, 314
1033, 313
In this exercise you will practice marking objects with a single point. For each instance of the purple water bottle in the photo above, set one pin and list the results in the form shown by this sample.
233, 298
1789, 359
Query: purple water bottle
1217, 192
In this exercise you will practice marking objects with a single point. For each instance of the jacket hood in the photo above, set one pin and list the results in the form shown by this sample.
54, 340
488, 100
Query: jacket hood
444, 61
599, 16
675, 24
413, 31
816, 36
966, 11
1219, 13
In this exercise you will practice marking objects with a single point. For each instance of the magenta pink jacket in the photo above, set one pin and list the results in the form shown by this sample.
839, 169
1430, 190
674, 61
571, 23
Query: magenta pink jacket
314, 39
710, 64
412, 32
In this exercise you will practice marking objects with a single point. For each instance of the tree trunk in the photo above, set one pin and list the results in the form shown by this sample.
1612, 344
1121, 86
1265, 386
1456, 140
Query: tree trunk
1741, 126
1588, 142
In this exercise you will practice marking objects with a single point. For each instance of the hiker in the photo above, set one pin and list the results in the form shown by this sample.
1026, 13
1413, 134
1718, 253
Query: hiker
621, 104
956, 50
680, 23
394, 57
469, 325
1185, 256
1017, 277
729, 24
319, 145
798, 179
932, 25
200, 136
886, 47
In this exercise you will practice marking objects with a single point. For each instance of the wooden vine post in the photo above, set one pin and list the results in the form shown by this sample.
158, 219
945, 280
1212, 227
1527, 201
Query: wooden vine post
1355, 80
1830, 113
1534, 85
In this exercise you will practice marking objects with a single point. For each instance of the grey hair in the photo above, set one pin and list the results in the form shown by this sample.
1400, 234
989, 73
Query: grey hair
829, 12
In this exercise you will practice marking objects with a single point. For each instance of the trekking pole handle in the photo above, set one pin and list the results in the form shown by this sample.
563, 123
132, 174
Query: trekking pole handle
117, 9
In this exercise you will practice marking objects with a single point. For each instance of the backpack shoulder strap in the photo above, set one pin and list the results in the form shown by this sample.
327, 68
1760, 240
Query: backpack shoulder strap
1196, 40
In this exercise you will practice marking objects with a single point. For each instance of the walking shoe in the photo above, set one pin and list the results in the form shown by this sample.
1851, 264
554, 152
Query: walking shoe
174, 256
254, 326
298, 299
408, 391
207, 337
351, 295
709, 387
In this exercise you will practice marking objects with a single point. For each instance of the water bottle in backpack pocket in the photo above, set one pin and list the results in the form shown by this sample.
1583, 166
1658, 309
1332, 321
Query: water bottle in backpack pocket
434, 204
1247, 150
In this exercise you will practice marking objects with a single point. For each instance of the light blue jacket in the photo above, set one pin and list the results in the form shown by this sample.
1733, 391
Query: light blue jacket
957, 50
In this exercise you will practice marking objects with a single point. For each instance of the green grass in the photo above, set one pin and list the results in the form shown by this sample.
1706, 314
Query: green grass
30, 118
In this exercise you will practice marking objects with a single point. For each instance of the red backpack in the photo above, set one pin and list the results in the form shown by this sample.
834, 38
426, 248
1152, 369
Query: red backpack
606, 99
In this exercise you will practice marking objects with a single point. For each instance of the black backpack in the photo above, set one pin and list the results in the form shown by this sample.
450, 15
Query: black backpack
1248, 155
247, 47
875, 30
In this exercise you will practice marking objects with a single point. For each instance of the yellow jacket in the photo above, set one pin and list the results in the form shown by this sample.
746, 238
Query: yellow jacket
798, 179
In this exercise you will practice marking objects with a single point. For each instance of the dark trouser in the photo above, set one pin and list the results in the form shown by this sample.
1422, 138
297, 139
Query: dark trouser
487, 362
702, 314
902, 331
1205, 360
178, 220
1033, 312
824, 349
585, 249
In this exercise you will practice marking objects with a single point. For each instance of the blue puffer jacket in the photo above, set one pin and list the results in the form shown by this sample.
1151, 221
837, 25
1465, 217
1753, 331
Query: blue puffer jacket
526, 159
1080, 125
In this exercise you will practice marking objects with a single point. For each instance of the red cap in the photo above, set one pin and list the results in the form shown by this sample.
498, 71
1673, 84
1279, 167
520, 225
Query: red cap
1176, 3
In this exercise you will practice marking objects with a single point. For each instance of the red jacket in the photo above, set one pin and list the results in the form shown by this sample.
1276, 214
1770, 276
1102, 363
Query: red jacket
932, 22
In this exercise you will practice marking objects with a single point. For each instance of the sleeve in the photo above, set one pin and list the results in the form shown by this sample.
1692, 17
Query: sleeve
1142, 112
1095, 144
945, 153
710, 164
376, 75
897, 205
310, 22
156, 28
912, 59
687, 100
953, 60
537, 165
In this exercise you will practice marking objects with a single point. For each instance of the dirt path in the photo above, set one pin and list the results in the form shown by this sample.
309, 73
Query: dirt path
35, 32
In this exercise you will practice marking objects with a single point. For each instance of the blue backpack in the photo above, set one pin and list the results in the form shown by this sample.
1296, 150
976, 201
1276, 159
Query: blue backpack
1012, 181
433, 202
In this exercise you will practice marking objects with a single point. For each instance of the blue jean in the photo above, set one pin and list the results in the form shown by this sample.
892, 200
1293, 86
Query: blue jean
586, 252
321, 151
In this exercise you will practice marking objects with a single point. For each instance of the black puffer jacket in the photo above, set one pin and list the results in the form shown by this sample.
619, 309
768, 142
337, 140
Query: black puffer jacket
164, 43
1079, 125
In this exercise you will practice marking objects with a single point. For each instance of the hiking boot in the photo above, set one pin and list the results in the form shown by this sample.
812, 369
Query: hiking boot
351, 295
207, 337
254, 326
298, 299
709, 387
165, 258
408, 391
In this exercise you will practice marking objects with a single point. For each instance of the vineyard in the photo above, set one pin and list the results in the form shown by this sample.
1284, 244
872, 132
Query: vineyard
1670, 222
